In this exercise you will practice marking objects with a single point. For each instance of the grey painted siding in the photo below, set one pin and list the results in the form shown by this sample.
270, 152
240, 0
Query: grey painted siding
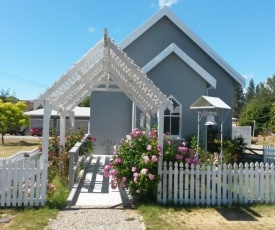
160, 36
111, 119
184, 84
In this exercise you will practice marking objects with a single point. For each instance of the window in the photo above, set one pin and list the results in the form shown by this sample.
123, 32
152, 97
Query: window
172, 119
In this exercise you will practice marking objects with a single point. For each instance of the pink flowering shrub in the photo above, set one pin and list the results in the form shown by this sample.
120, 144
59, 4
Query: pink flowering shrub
178, 151
134, 163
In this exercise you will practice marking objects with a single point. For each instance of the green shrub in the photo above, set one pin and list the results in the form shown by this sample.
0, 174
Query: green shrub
58, 197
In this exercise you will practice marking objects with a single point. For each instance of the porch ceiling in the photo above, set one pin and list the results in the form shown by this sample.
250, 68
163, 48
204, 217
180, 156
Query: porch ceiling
104, 68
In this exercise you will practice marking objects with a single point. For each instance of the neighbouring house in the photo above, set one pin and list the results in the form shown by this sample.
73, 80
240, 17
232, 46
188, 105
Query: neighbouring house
82, 118
163, 63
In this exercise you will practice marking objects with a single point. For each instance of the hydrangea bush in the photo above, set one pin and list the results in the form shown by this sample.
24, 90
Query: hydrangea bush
135, 162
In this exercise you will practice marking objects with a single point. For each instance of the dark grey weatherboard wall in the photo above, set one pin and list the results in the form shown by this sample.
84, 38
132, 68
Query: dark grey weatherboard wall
154, 41
183, 83
111, 119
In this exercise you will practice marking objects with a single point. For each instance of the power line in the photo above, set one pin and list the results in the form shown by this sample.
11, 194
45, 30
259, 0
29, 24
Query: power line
20, 79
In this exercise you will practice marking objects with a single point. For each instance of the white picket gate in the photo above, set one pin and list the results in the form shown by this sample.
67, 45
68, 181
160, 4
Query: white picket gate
21, 181
211, 185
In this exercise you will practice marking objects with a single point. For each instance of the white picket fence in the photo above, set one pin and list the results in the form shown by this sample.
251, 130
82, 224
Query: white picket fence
269, 154
21, 180
211, 186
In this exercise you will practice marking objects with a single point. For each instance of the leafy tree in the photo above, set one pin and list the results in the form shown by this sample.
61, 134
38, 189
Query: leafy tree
271, 124
257, 90
12, 116
270, 87
6, 96
238, 101
257, 110
250, 93
85, 102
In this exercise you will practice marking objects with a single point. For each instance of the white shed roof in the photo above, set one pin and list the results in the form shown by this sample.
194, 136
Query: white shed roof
78, 112
206, 102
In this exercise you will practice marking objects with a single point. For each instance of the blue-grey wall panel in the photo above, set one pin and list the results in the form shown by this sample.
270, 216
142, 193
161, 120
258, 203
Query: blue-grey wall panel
110, 119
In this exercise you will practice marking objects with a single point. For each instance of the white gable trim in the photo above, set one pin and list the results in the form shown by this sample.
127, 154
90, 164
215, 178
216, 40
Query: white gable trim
188, 60
165, 11
104, 68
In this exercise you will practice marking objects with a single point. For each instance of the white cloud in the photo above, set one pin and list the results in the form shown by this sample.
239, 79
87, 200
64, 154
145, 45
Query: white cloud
153, 5
163, 3
91, 30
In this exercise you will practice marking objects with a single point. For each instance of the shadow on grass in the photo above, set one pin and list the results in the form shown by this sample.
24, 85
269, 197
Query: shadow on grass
230, 213
243, 213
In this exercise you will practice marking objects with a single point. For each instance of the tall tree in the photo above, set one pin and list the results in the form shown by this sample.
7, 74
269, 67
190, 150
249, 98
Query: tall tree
12, 116
6, 96
250, 91
270, 86
271, 124
238, 101
257, 110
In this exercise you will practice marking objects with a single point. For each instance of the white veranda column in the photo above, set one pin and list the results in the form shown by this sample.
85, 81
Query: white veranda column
62, 128
160, 143
148, 122
72, 119
134, 116
45, 147
142, 120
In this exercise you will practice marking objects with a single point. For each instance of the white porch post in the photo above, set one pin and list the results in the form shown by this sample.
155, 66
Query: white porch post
160, 143
72, 119
62, 128
142, 119
45, 147
148, 122
134, 116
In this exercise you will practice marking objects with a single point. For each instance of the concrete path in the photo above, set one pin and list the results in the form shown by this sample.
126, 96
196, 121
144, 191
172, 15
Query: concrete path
94, 190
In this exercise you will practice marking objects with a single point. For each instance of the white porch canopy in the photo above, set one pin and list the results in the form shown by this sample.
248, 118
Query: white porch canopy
206, 103
104, 68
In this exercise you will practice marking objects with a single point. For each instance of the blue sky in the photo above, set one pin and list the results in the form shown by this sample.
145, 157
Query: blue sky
40, 40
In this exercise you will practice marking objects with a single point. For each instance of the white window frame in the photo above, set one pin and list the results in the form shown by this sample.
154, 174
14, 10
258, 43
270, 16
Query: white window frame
180, 117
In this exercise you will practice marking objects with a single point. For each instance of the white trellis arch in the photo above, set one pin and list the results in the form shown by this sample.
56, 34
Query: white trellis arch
105, 67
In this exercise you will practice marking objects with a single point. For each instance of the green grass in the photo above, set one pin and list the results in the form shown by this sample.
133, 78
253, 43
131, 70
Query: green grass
223, 218
28, 218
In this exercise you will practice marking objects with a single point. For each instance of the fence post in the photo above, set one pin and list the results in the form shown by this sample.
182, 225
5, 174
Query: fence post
71, 170
264, 154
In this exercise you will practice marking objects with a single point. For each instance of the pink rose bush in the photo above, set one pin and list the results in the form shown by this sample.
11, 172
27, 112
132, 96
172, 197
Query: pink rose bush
177, 151
134, 163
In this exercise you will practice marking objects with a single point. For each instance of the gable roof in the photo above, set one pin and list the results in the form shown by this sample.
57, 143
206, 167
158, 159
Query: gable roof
104, 68
173, 48
206, 102
165, 11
